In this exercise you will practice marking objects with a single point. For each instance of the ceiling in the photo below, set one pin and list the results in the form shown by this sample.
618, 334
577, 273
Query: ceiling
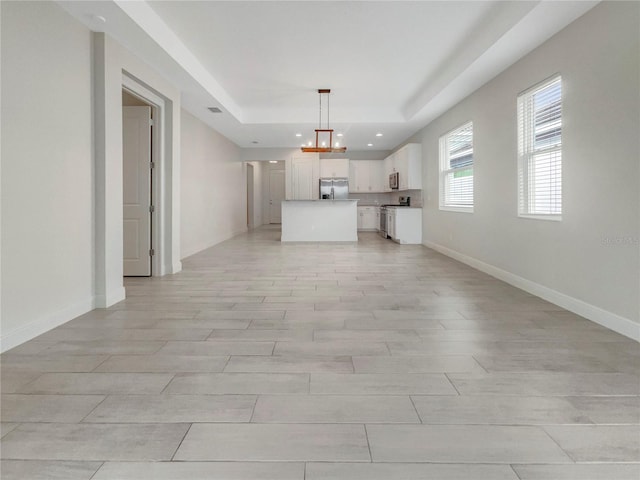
392, 66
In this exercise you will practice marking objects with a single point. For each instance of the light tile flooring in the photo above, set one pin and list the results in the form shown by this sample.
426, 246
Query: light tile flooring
323, 362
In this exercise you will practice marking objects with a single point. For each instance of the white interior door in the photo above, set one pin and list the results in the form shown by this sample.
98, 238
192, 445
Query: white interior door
276, 195
136, 143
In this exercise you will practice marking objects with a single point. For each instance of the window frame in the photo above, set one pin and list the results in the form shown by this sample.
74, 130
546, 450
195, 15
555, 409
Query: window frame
445, 170
525, 153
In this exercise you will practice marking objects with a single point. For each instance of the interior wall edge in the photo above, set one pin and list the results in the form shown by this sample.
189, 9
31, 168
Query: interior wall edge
115, 296
200, 248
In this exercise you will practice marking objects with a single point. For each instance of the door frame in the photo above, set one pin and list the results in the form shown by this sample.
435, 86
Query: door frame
284, 193
250, 196
158, 173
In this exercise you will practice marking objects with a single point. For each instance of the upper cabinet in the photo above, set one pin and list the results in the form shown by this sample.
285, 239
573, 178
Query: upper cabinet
408, 163
334, 168
377, 178
366, 176
372, 176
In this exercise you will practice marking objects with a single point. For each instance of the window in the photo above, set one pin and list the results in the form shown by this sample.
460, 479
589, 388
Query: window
540, 151
456, 169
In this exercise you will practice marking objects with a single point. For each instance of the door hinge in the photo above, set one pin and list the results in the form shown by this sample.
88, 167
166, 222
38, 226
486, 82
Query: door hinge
152, 209
151, 122
152, 165
152, 252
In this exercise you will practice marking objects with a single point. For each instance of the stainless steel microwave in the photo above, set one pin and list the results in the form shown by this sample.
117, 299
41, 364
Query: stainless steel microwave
394, 181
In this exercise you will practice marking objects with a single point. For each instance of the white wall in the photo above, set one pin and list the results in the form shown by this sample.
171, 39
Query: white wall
569, 262
47, 170
214, 197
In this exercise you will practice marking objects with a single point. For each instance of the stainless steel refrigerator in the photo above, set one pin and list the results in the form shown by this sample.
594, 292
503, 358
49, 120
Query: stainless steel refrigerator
334, 188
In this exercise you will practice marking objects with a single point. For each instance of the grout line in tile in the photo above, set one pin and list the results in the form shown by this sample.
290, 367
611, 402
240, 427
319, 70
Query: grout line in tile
227, 363
180, 443
541, 427
94, 409
415, 408
168, 383
97, 469
366, 434
101, 363
514, 471
451, 382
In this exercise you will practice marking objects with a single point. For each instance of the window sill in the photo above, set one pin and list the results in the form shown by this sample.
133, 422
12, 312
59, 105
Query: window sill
549, 218
457, 209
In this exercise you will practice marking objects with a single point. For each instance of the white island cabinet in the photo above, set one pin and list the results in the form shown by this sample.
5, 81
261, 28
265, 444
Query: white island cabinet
319, 221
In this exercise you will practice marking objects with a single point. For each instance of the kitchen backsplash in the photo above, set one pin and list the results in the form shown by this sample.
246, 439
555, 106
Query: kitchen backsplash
388, 198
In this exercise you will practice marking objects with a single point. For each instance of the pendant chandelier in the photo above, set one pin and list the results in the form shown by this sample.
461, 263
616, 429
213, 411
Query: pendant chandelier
322, 146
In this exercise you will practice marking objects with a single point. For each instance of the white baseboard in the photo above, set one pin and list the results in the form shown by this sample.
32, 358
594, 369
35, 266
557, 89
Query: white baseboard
612, 321
41, 325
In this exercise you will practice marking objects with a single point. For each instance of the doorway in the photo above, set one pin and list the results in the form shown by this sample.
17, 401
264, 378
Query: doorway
137, 185
250, 194
276, 195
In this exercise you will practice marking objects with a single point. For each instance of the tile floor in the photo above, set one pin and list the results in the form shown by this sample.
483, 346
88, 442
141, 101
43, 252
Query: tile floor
264, 361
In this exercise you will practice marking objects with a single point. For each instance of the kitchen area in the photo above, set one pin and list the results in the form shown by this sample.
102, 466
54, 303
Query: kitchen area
332, 199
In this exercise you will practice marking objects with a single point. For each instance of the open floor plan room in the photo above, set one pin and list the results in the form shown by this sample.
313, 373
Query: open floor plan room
263, 360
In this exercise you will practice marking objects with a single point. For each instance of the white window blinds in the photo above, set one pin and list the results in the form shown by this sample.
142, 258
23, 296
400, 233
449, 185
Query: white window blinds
540, 150
456, 169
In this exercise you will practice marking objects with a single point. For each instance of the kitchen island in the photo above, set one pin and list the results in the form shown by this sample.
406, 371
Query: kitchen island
319, 221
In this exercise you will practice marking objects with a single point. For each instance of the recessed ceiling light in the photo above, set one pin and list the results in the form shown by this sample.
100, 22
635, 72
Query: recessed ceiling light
339, 135
99, 19
214, 110
273, 161
298, 134
378, 134
369, 144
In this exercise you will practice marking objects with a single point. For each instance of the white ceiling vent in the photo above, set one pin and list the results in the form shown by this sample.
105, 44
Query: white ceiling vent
214, 110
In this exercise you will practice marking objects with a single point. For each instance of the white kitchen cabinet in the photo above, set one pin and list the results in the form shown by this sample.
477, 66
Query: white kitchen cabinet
404, 225
358, 176
391, 223
389, 168
409, 165
302, 178
365, 176
368, 218
407, 161
377, 178
334, 168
